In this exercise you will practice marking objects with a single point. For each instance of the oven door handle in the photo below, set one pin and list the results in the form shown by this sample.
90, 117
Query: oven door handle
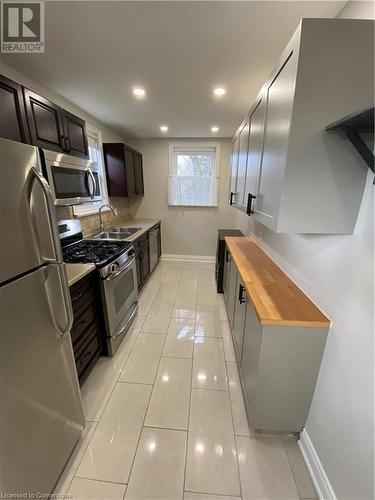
120, 271
89, 172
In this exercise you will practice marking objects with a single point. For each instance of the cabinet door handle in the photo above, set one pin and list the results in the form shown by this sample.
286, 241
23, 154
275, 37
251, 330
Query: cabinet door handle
68, 145
241, 298
250, 198
227, 256
63, 142
231, 197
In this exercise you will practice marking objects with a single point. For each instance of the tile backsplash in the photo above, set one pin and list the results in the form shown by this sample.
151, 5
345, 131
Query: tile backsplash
90, 223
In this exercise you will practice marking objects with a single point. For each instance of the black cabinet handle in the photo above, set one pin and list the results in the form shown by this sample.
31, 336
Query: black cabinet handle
231, 198
63, 142
241, 298
250, 198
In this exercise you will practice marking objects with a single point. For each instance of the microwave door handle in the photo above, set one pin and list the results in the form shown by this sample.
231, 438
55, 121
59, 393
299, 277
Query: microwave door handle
89, 171
35, 175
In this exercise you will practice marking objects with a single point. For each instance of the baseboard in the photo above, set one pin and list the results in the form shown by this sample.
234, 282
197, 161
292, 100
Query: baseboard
315, 468
194, 258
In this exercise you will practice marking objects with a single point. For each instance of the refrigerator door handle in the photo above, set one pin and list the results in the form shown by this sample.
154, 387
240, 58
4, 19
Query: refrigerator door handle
47, 193
67, 305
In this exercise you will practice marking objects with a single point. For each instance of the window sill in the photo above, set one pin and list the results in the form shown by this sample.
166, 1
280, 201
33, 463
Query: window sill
192, 206
80, 211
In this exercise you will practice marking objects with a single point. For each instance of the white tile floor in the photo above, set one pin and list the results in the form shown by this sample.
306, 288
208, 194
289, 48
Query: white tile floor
165, 416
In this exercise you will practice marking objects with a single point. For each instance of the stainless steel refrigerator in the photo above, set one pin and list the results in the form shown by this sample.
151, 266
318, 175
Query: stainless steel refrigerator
41, 416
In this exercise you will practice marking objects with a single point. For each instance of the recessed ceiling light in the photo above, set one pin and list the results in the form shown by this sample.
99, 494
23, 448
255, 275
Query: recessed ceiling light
139, 92
164, 128
214, 129
219, 91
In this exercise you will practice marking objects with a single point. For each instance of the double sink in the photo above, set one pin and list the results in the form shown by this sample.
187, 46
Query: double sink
116, 233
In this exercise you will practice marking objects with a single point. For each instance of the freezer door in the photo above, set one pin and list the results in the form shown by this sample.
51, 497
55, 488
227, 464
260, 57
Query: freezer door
41, 406
28, 230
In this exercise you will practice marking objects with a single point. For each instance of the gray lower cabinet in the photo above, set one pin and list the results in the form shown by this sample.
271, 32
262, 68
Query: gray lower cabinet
226, 274
278, 365
231, 291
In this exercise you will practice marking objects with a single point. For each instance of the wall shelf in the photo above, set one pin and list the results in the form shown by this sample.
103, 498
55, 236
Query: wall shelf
353, 126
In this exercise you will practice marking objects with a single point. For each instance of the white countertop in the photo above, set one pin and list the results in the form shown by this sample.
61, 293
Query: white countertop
77, 271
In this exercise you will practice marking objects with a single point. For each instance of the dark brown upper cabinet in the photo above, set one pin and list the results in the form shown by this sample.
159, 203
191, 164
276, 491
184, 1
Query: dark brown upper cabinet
124, 170
54, 128
45, 122
13, 125
75, 135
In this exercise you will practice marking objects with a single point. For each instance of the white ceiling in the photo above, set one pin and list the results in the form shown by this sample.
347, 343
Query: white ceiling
97, 51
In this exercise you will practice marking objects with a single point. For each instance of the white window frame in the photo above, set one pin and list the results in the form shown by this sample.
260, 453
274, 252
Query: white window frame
92, 208
194, 147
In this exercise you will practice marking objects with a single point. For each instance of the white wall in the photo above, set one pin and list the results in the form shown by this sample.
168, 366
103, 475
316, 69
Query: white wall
337, 272
185, 231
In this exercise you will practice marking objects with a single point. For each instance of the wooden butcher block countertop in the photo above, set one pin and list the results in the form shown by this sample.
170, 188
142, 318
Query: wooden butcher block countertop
276, 299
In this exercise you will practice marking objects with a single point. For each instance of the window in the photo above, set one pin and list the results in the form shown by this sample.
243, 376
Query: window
94, 139
193, 180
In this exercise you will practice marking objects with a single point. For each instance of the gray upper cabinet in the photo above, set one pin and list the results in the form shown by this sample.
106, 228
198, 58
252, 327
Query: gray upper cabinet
234, 170
299, 178
243, 140
279, 97
254, 154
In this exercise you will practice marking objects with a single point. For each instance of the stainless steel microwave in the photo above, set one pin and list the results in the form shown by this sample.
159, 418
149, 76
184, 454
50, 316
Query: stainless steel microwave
73, 180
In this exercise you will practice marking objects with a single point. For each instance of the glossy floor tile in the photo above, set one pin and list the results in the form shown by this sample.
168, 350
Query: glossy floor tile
166, 418
301, 475
209, 370
211, 459
241, 427
185, 305
111, 451
157, 320
264, 469
159, 466
170, 398
71, 467
188, 495
179, 342
208, 322
143, 361
89, 489
166, 293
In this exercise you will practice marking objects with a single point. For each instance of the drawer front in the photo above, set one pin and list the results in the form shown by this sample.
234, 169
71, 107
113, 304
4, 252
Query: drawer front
87, 355
81, 295
85, 339
82, 322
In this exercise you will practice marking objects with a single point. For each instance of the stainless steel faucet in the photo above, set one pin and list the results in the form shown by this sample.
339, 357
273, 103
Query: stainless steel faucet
114, 211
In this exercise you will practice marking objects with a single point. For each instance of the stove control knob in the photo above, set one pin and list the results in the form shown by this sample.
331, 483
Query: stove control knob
114, 268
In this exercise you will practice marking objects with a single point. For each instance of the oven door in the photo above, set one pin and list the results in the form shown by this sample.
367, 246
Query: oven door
119, 293
72, 180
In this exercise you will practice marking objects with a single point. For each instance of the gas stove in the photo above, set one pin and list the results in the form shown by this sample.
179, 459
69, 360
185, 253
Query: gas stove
75, 249
117, 276
99, 253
